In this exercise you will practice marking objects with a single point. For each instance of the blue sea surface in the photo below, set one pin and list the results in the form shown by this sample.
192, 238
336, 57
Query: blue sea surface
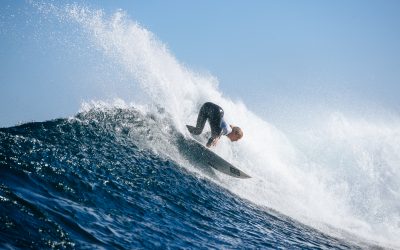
88, 183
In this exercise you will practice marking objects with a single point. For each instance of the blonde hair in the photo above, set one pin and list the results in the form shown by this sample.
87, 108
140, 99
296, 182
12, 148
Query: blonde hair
238, 131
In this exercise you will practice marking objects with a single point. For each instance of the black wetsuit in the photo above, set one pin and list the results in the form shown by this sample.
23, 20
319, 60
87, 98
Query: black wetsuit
214, 114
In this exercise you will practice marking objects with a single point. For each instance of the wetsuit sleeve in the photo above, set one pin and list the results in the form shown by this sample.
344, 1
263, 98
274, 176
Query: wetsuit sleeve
214, 136
216, 133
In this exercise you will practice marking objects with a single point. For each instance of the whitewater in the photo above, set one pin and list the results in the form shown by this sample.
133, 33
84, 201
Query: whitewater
334, 185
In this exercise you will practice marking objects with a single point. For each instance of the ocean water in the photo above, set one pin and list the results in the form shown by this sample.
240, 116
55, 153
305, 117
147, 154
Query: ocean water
89, 182
112, 176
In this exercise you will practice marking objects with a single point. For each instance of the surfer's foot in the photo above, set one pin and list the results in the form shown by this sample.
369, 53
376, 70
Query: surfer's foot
193, 130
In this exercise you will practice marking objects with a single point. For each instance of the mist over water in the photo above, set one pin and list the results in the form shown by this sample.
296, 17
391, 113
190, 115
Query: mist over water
341, 174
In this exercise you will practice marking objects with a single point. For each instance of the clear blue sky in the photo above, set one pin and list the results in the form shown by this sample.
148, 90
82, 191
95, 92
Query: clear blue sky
279, 57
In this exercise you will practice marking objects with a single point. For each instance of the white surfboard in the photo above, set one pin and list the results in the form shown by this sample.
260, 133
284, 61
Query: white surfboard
211, 159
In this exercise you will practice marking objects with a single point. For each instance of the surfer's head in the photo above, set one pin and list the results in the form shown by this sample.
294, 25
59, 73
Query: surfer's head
236, 134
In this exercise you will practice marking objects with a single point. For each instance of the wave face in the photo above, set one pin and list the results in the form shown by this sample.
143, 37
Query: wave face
90, 182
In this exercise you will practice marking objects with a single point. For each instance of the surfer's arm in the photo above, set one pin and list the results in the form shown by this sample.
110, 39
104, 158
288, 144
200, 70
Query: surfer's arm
212, 141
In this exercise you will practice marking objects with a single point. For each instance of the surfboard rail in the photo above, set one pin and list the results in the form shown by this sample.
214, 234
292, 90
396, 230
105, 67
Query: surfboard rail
208, 157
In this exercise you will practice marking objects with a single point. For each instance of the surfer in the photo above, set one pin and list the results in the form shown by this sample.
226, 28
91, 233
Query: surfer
215, 116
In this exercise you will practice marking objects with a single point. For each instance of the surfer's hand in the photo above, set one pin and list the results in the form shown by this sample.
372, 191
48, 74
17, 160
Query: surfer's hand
212, 142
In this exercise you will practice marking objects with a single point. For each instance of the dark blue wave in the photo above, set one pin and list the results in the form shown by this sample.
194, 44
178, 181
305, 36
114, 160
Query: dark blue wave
87, 183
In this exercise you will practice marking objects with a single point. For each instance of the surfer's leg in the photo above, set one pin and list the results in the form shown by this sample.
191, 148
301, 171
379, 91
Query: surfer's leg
214, 115
201, 120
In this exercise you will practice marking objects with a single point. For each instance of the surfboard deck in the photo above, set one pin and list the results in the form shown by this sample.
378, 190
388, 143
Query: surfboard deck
209, 158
